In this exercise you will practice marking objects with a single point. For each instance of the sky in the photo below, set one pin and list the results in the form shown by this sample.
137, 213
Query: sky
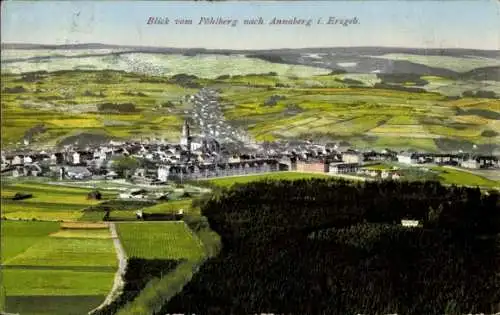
420, 24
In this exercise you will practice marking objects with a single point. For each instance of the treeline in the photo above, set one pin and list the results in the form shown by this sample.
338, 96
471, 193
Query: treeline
117, 108
138, 273
332, 247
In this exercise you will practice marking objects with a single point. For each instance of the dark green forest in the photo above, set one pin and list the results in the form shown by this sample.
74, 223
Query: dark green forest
322, 246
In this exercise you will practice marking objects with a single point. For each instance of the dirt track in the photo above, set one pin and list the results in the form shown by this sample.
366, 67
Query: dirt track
122, 264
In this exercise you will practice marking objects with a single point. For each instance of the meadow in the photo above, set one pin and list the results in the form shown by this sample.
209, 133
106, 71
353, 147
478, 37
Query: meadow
47, 267
456, 177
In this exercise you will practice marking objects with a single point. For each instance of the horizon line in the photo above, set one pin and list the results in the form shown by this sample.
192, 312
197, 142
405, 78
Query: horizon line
243, 49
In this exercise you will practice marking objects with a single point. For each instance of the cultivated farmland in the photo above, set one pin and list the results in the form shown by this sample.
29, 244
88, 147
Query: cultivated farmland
159, 240
55, 267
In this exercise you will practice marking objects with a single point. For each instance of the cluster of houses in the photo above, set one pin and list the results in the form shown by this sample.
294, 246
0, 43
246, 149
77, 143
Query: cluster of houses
162, 162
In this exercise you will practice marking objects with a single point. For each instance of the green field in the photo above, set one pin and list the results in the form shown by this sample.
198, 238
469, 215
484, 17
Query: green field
42, 261
457, 177
159, 240
229, 181
49, 202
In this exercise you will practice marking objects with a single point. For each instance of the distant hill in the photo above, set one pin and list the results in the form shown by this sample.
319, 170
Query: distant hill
344, 51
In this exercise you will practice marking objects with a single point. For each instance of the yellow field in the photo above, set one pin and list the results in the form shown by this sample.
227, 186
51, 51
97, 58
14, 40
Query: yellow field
403, 131
471, 119
27, 214
75, 123
83, 233
83, 225
453, 132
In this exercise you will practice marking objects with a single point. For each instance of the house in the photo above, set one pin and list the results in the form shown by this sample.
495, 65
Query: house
17, 160
53, 159
77, 172
163, 172
316, 167
342, 168
351, 157
140, 172
385, 175
32, 170
471, 163
407, 158
27, 159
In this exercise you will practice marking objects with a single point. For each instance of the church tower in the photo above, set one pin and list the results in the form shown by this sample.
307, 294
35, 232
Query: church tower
186, 134
186, 138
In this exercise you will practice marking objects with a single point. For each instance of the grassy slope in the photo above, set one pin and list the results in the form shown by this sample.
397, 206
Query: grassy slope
49, 202
229, 181
456, 177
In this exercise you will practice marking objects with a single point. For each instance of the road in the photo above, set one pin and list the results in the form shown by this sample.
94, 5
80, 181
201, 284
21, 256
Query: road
122, 264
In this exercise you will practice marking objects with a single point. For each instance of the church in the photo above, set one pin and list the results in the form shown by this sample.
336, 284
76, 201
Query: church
194, 143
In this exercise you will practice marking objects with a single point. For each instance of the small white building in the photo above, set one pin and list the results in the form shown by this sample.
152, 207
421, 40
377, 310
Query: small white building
27, 159
76, 158
17, 160
342, 168
396, 176
352, 157
471, 163
407, 158
53, 159
409, 223
77, 172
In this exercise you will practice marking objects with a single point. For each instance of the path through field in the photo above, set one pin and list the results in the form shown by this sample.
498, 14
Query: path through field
122, 264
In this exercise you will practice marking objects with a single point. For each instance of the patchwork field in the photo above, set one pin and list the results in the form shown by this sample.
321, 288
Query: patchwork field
159, 240
55, 266
373, 118
48, 203
113, 104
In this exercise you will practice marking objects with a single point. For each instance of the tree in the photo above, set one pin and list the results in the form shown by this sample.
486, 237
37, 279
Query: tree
125, 166
433, 215
95, 194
